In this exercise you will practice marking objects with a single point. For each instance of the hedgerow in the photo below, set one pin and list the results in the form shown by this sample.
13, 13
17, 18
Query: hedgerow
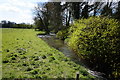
97, 41
63, 34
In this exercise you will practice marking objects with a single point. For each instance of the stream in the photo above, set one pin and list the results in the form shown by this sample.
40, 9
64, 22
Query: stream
58, 44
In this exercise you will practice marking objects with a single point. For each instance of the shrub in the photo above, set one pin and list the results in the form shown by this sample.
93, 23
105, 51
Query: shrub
21, 51
52, 58
29, 68
7, 50
34, 72
36, 58
96, 40
13, 58
44, 57
63, 34
5, 60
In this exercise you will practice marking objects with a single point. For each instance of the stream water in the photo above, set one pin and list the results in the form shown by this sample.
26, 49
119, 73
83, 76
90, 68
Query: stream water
52, 41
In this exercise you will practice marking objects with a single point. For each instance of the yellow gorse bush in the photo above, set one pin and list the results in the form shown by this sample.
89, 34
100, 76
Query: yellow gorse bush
97, 40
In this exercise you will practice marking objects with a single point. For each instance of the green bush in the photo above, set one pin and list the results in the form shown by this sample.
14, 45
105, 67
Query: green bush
96, 40
62, 34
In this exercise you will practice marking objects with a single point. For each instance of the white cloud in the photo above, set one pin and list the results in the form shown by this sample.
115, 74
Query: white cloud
22, 3
8, 7
17, 10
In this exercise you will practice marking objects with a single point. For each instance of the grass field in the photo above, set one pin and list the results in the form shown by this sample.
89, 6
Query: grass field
24, 55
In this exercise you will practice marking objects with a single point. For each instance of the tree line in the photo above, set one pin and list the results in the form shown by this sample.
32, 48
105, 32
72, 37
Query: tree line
55, 16
9, 24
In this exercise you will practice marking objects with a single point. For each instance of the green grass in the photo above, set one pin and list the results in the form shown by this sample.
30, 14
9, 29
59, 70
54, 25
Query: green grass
27, 56
0, 53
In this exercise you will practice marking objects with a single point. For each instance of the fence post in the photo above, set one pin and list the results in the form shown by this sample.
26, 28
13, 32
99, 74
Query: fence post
77, 75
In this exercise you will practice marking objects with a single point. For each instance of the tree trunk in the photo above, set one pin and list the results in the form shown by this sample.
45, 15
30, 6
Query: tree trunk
85, 11
76, 9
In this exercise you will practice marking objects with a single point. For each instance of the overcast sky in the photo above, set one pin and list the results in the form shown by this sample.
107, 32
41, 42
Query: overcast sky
17, 10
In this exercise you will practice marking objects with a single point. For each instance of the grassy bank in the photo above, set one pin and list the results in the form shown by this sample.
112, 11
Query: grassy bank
0, 53
27, 56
